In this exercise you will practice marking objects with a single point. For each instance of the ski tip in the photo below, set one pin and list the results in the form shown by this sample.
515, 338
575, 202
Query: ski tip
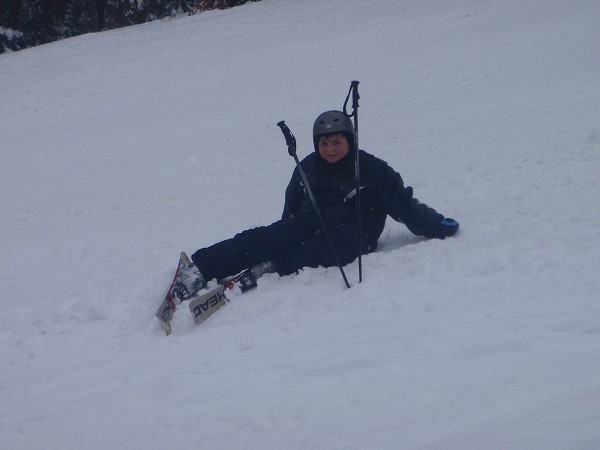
183, 257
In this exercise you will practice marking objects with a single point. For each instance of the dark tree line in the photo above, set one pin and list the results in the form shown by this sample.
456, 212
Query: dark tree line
27, 23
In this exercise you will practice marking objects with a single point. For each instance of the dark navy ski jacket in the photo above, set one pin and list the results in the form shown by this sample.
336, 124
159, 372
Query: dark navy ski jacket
382, 194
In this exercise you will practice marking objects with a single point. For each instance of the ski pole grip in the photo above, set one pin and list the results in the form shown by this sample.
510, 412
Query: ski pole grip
355, 96
290, 140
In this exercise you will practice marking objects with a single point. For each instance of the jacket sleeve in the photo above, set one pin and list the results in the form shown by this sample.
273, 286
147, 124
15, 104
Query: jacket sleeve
401, 206
293, 196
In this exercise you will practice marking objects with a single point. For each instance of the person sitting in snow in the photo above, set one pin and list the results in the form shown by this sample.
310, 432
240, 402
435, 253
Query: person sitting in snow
297, 241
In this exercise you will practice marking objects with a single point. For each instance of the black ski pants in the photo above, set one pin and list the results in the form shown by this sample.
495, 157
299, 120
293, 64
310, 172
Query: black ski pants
291, 244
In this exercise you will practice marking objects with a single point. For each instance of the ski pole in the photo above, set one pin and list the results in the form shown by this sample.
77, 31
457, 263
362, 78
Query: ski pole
354, 91
290, 140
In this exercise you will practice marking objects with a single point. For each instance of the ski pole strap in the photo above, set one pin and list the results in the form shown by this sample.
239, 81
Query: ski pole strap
354, 91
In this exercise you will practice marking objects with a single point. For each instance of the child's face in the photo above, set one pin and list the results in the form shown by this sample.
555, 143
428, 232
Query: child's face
333, 147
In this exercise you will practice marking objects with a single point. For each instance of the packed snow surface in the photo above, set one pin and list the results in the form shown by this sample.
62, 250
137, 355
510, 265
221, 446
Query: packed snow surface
121, 149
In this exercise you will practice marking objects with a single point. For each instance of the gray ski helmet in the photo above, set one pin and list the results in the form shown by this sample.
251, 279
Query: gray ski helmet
333, 122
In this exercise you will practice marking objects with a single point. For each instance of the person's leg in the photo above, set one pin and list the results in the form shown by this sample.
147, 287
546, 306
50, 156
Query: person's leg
315, 251
253, 246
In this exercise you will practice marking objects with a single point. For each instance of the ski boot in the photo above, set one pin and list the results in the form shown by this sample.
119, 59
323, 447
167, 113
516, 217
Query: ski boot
188, 283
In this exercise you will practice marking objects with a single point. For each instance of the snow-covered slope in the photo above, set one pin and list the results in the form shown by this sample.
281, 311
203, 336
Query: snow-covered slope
118, 150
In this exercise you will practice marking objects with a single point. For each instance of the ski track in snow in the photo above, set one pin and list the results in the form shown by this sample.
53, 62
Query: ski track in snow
120, 149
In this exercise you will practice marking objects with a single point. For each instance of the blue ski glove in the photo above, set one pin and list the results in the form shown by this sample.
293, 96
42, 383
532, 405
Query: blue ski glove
448, 227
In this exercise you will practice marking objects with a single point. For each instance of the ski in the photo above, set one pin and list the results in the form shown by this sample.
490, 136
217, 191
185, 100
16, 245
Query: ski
165, 311
203, 304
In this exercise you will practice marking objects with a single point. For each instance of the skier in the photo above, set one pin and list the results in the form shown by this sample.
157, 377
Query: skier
297, 241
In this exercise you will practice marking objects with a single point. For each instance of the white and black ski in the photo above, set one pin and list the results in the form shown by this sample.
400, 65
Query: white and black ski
203, 306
